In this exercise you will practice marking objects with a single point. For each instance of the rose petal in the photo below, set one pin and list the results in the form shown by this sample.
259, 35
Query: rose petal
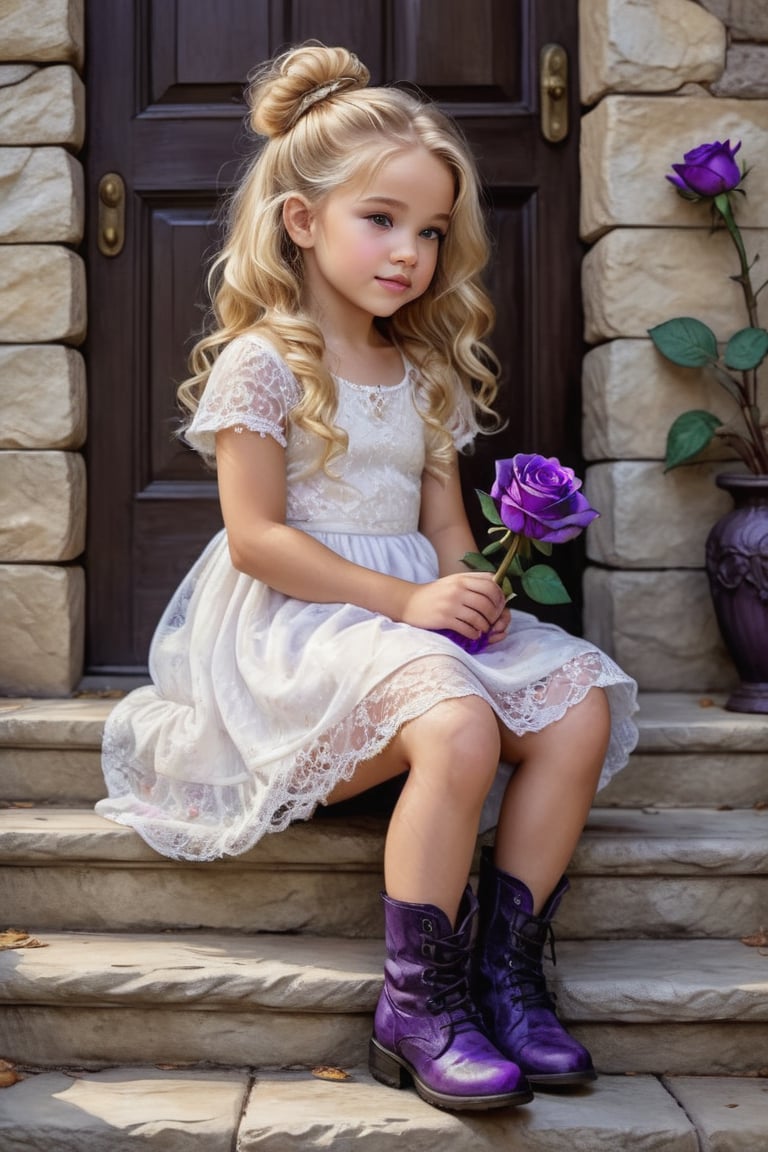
474, 647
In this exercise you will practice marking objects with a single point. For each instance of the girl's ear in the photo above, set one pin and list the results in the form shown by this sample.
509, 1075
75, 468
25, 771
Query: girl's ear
298, 219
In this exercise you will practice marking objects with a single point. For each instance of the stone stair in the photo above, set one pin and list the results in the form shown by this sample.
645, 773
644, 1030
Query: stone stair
183, 1006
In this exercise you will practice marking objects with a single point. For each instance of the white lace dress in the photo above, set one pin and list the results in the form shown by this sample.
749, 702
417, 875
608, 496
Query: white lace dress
261, 703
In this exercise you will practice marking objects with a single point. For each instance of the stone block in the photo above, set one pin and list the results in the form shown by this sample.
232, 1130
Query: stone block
636, 278
42, 197
628, 146
744, 19
177, 1111
42, 295
645, 46
42, 506
746, 73
631, 394
294, 1112
45, 30
660, 627
42, 624
42, 396
41, 105
652, 519
729, 1112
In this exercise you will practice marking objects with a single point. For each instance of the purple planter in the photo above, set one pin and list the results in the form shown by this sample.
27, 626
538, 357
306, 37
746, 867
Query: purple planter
737, 566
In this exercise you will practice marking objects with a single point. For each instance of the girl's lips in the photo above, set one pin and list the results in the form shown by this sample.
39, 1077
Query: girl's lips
393, 283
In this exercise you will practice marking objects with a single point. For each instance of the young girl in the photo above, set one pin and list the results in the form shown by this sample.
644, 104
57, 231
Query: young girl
300, 662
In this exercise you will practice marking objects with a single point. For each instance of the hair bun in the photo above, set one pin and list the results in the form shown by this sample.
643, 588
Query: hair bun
297, 81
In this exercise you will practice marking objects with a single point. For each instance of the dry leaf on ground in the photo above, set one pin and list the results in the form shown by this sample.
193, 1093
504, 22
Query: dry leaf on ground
323, 1072
18, 938
8, 1074
758, 939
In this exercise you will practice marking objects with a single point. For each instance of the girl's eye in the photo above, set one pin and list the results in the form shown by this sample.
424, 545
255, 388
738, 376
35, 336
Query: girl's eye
433, 234
380, 219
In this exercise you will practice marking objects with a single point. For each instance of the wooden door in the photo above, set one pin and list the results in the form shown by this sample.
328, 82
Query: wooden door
165, 111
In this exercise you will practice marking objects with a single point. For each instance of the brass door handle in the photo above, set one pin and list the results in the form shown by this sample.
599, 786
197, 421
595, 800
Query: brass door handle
553, 92
111, 214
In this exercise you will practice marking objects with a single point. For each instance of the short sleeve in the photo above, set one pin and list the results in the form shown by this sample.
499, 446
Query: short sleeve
463, 426
250, 386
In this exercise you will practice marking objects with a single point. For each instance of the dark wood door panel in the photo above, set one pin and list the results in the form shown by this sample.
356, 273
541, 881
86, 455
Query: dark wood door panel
165, 85
201, 52
463, 51
182, 239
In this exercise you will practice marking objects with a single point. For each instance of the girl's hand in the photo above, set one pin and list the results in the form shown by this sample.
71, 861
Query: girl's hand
470, 603
499, 629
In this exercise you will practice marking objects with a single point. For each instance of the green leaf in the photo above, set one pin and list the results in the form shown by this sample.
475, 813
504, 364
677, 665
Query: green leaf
477, 562
746, 349
488, 505
495, 546
543, 546
688, 436
543, 585
685, 341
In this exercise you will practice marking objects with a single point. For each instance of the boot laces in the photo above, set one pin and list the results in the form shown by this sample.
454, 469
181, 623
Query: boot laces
448, 975
525, 976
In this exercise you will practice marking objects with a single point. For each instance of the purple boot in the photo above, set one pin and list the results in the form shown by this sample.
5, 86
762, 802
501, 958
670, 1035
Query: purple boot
426, 1028
509, 985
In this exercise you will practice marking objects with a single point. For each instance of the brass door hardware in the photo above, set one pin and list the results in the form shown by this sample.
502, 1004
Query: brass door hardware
111, 214
553, 92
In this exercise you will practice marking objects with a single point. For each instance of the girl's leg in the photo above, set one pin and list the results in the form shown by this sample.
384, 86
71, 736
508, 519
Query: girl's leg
521, 885
424, 1027
548, 799
451, 754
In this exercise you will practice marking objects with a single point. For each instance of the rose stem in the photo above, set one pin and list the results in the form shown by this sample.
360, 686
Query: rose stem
723, 205
501, 571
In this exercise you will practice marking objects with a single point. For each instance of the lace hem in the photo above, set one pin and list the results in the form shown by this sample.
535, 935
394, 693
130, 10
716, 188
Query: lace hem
197, 821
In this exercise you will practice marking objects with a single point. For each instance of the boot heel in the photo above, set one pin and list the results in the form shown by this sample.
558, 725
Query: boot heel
385, 1068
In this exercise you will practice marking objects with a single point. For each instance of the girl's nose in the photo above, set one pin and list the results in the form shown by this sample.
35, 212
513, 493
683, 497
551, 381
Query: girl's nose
404, 253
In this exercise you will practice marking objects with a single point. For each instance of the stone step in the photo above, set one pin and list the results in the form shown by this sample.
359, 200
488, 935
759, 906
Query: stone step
190, 1110
655, 872
691, 752
682, 1007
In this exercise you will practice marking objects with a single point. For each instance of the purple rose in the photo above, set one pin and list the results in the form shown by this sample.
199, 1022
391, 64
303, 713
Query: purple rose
474, 647
708, 170
540, 498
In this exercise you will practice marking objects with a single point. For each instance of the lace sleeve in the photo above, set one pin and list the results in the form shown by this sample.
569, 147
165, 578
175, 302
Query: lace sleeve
463, 425
250, 387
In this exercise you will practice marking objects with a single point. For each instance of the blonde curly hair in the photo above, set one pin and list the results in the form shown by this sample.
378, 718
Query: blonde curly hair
325, 127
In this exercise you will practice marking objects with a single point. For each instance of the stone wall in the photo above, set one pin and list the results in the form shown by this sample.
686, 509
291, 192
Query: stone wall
42, 321
658, 78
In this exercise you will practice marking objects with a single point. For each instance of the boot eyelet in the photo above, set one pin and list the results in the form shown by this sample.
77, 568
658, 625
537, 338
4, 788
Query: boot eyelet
517, 901
426, 926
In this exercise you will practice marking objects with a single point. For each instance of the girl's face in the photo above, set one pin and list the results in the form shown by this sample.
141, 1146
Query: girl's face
373, 245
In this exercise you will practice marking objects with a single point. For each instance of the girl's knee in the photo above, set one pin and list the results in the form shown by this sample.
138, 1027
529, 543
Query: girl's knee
458, 742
